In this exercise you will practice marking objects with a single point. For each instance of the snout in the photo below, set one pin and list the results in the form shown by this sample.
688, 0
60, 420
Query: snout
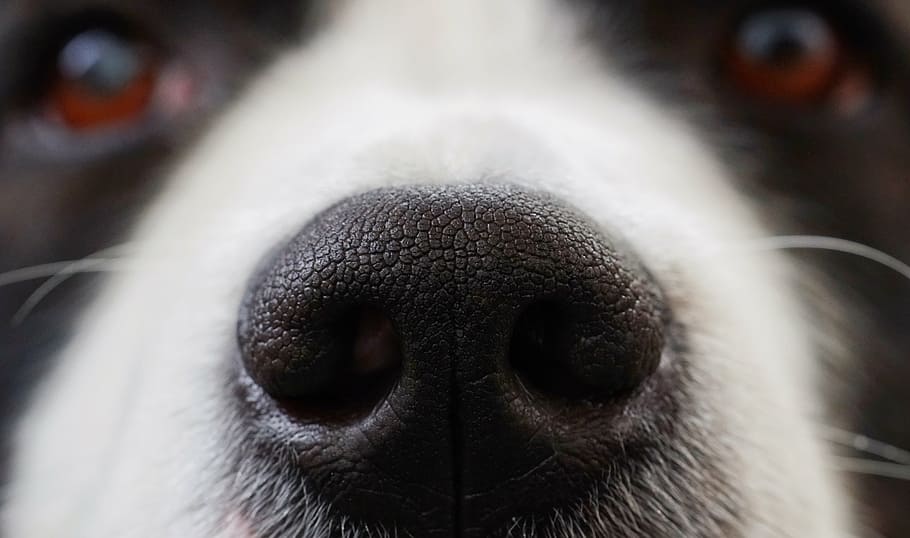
449, 360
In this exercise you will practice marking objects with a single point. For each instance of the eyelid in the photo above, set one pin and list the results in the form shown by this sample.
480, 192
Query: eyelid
863, 29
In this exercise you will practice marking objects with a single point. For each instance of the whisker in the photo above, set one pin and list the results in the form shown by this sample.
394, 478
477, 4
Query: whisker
101, 261
87, 266
831, 244
111, 259
46, 270
881, 469
866, 445
36, 272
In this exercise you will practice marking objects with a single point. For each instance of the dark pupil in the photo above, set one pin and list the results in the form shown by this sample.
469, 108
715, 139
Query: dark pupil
100, 61
785, 37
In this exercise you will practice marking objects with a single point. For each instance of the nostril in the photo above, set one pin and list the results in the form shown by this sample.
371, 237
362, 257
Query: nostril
555, 353
336, 369
537, 352
376, 348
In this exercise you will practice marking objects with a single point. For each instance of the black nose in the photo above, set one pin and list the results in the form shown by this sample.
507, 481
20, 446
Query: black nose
453, 357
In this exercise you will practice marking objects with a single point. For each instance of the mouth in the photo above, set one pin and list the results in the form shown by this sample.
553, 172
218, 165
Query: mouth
448, 361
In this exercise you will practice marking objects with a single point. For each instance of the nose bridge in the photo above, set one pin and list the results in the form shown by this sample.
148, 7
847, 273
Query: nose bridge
436, 41
443, 22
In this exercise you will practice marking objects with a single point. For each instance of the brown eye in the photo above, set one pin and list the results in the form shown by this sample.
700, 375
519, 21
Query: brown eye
795, 56
102, 80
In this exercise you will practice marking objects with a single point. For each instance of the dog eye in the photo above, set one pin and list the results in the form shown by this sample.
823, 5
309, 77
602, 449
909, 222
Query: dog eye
796, 56
102, 79
96, 83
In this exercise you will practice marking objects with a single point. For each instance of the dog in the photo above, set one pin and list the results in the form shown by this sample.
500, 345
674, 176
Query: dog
455, 268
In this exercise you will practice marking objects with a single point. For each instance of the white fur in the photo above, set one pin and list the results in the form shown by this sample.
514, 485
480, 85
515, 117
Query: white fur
123, 439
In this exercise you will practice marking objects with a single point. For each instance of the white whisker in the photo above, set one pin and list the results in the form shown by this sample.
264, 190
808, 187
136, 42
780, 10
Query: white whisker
882, 469
830, 244
87, 266
866, 445
37, 272
105, 260
46, 270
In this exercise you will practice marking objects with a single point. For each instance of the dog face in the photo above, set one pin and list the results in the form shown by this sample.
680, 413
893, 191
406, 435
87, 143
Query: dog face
470, 268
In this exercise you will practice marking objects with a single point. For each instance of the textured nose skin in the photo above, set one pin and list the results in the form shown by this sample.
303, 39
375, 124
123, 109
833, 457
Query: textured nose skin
454, 354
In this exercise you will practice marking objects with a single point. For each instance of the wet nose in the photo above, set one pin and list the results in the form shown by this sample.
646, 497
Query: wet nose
451, 357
